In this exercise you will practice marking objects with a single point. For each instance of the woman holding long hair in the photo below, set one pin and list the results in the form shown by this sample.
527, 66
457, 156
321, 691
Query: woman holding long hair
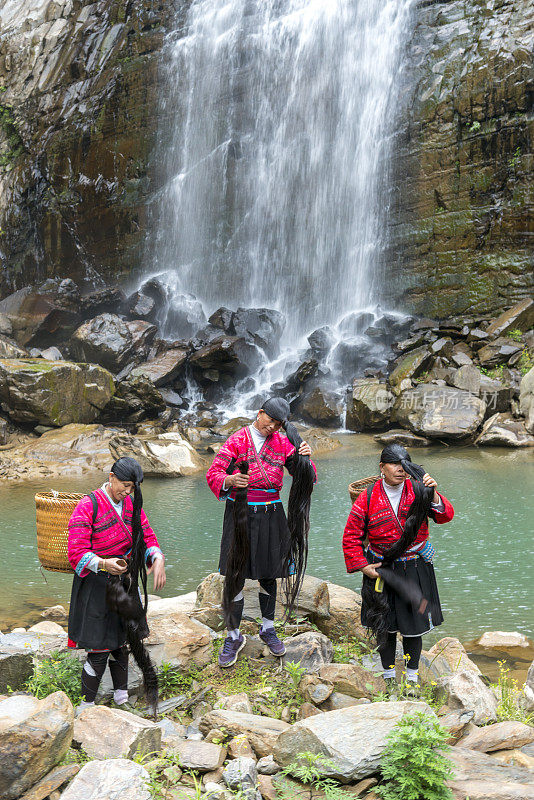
258, 541
386, 538
111, 548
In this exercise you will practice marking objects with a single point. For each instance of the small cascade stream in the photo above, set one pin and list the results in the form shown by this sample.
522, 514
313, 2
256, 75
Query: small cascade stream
276, 150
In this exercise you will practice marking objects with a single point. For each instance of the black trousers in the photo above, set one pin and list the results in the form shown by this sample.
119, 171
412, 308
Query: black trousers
412, 646
267, 599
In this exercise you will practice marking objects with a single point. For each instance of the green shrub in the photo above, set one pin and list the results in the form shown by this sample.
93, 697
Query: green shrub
58, 672
509, 693
413, 764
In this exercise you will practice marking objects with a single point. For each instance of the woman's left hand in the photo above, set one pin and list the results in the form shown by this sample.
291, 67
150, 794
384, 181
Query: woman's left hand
304, 449
429, 481
158, 571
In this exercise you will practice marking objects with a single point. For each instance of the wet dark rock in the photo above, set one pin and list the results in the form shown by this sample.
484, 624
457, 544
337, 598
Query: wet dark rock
321, 341
498, 352
502, 430
10, 349
442, 347
135, 399
351, 357
320, 406
111, 342
154, 289
355, 323
411, 365
519, 317
229, 354
496, 394
304, 373
141, 306
406, 438
185, 315
171, 397
424, 324
222, 318
38, 319
439, 412
164, 367
369, 405
261, 326
110, 300
467, 377
409, 344
69, 290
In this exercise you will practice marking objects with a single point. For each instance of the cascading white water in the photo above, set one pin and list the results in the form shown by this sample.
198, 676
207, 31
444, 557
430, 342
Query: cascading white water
276, 159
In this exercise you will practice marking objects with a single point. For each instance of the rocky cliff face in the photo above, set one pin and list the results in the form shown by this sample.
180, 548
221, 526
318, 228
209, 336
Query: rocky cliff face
78, 93
79, 117
463, 197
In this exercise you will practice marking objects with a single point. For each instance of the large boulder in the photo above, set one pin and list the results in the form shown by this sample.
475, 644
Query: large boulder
16, 666
230, 355
498, 352
352, 739
503, 430
468, 377
527, 698
109, 780
34, 737
439, 411
10, 349
411, 365
164, 368
261, 732
504, 644
200, 756
312, 650
111, 342
178, 640
369, 404
166, 455
467, 691
53, 393
321, 407
526, 399
499, 736
478, 776
496, 394
399, 436
344, 620
260, 326
135, 398
104, 732
353, 679
519, 317
75, 447
39, 318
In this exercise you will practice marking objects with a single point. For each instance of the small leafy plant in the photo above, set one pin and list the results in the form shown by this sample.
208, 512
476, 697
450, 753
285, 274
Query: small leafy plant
413, 764
508, 692
308, 768
55, 673
295, 672
171, 681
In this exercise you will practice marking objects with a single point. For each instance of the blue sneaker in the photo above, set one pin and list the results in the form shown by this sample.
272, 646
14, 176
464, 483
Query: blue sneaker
275, 645
230, 650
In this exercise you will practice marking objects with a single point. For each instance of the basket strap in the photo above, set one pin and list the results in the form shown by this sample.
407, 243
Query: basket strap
369, 492
95, 512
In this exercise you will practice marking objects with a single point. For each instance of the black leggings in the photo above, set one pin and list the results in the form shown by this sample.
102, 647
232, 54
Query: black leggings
267, 602
412, 646
96, 661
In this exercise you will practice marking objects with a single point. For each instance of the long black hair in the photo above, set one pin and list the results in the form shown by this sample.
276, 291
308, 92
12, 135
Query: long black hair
239, 549
376, 602
122, 591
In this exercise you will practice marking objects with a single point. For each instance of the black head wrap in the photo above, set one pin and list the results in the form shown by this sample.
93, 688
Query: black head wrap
277, 408
397, 454
122, 591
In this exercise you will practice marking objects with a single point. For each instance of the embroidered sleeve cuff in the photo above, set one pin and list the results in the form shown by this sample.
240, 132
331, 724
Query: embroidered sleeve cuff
438, 506
152, 553
84, 562
93, 564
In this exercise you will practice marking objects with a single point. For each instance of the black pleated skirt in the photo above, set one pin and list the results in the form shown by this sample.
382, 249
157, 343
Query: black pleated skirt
92, 625
402, 617
268, 538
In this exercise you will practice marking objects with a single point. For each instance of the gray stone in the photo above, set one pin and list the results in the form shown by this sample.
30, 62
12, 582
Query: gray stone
48, 785
526, 399
111, 779
10, 349
478, 776
55, 613
104, 340
499, 736
314, 689
261, 732
110, 733
352, 739
353, 679
267, 766
439, 412
16, 666
461, 359
468, 378
167, 454
230, 355
503, 430
200, 756
321, 407
339, 700
498, 352
163, 368
466, 691
311, 650
399, 436
260, 326
34, 737
344, 619
369, 404
236, 702
240, 774
519, 317
411, 365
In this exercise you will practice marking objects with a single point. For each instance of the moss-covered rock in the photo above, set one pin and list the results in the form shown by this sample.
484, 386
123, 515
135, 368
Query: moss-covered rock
55, 393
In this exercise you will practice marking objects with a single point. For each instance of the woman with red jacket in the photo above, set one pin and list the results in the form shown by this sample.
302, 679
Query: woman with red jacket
377, 533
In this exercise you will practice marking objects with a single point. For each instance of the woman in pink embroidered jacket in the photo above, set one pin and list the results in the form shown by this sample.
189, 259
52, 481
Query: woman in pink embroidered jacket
267, 452
99, 543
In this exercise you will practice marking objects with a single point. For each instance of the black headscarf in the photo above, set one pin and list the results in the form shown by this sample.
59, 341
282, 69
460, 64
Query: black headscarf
122, 591
277, 408
397, 454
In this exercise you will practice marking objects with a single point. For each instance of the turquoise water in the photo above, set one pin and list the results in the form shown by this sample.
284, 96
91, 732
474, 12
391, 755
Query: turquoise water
484, 557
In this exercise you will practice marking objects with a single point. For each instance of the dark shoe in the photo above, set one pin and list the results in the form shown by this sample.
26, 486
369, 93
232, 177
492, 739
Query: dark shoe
392, 688
272, 641
230, 650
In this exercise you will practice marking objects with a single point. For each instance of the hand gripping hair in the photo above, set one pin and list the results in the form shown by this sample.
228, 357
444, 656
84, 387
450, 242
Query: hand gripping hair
376, 602
122, 591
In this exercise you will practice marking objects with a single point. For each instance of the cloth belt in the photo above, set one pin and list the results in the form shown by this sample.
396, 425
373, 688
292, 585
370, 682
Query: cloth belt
426, 553
262, 508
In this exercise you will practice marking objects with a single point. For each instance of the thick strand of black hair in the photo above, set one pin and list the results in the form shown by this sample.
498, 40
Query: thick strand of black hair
298, 521
239, 549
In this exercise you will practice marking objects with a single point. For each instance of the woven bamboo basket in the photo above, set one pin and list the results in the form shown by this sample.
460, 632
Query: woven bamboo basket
357, 487
54, 510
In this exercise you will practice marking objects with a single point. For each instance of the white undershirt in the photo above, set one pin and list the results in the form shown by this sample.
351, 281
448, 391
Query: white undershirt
394, 494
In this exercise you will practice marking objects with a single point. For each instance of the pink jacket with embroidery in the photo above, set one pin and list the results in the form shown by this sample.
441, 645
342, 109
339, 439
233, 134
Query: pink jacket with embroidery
274, 455
109, 536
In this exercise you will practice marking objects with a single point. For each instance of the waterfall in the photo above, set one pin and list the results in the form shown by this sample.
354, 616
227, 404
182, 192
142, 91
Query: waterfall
275, 154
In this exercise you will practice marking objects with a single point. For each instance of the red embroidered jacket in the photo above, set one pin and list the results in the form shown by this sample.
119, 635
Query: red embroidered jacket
266, 468
110, 535
383, 527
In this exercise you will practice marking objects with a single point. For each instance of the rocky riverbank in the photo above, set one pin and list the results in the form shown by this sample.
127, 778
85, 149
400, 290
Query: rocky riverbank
244, 730
87, 376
